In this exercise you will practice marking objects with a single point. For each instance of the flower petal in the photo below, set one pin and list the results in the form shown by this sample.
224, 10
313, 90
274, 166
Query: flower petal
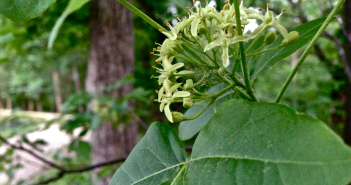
213, 45
281, 29
181, 94
176, 66
175, 87
194, 25
168, 113
225, 56
160, 94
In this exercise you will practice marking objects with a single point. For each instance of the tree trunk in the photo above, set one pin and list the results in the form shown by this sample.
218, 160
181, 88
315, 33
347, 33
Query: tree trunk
57, 90
111, 58
347, 27
30, 105
8, 103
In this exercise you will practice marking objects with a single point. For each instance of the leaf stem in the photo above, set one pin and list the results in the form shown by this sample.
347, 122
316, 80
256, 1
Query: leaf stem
242, 51
253, 42
184, 167
198, 114
141, 14
265, 51
309, 48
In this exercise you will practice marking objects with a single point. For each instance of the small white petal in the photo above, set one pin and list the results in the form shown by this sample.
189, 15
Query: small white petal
181, 94
225, 56
168, 113
213, 45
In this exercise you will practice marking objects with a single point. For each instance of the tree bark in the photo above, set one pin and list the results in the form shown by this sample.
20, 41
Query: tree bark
57, 90
8, 103
347, 46
111, 58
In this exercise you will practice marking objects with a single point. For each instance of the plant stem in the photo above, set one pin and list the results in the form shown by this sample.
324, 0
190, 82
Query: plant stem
242, 51
198, 114
141, 14
310, 46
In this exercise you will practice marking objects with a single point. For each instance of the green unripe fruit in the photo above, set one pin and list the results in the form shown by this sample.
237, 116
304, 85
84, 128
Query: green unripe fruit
187, 103
270, 38
292, 37
177, 117
189, 84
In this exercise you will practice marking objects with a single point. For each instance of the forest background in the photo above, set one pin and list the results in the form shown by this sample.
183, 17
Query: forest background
65, 78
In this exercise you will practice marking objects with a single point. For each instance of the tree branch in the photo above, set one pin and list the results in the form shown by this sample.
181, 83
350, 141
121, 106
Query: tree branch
61, 174
62, 171
341, 52
22, 148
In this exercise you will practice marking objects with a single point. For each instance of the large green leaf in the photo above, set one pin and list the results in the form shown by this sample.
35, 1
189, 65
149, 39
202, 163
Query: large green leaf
306, 31
244, 143
264, 143
72, 6
154, 160
24, 10
188, 129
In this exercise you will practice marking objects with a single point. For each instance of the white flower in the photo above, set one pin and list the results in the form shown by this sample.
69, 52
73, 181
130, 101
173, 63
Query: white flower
224, 41
169, 69
268, 20
171, 92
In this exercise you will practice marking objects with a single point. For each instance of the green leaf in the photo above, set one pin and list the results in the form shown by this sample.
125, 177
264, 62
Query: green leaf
24, 10
243, 143
188, 129
72, 6
265, 143
154, 160
306, 31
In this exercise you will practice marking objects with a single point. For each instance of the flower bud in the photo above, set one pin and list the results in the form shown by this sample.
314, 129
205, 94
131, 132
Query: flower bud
292, 37
270, 38
187, 103
176, 47
221, 71
202, 30
177, 117
189, 84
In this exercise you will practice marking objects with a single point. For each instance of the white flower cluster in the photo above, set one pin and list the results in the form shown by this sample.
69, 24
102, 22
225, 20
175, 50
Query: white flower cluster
220, 30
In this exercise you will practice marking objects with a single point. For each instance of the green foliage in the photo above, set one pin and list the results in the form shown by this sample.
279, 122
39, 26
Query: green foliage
306, 31
188, 129
249, 149
72, 6
24, 10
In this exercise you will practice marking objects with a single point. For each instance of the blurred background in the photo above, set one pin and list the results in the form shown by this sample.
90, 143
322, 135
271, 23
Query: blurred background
52, 133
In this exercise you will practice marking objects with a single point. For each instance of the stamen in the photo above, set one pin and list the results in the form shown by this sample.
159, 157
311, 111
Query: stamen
283, 11
227, 37
159, 48
225, 7
152, 76
154, 67
156, 91
161, 30
260, 9
267, 4
233, 14
154, 49
214, 6
216, 30
155, 100
193, 92
152, 53
194, 1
